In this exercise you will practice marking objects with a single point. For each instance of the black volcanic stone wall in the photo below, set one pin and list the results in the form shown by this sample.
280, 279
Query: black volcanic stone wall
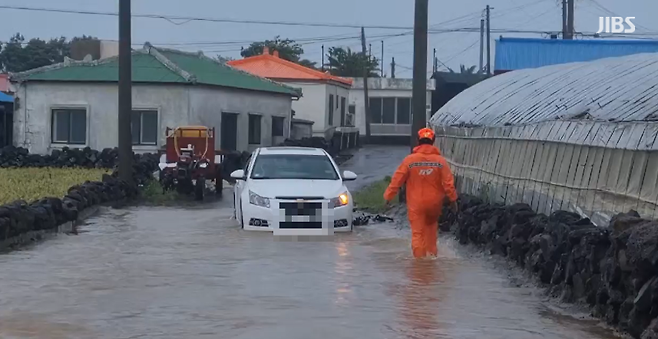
20, 217
614, 270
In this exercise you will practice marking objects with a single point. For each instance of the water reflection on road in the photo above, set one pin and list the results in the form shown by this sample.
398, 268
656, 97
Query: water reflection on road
192, 273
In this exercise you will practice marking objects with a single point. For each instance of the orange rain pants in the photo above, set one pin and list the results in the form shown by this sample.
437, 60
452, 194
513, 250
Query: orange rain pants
429, 181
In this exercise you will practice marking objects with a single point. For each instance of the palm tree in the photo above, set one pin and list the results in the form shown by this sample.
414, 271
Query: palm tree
464, 70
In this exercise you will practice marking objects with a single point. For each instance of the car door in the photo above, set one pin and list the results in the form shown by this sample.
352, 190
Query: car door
239, 187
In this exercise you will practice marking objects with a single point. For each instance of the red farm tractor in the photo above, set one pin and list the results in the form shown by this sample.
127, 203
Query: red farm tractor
190, 160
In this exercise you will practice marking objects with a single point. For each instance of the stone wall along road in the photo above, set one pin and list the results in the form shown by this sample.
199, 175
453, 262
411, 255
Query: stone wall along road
192, 273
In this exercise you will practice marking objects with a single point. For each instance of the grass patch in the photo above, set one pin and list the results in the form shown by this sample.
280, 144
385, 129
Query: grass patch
371, 198
31, 184
152, 194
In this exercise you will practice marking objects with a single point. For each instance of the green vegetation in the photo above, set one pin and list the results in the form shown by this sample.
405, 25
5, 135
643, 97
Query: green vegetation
371, 198
152, 194
31, 184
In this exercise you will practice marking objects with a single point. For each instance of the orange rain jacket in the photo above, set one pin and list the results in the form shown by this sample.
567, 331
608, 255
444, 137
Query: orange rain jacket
429, 181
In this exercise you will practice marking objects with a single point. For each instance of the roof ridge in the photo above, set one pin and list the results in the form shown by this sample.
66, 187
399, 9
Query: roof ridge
303, 68
219, 63
151, 50
296, 66
68, 62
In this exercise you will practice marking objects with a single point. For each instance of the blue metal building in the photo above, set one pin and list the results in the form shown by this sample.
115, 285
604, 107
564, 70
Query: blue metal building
522, 53
6, 119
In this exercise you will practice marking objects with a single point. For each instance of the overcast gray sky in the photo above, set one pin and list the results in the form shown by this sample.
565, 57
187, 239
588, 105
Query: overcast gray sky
215, 38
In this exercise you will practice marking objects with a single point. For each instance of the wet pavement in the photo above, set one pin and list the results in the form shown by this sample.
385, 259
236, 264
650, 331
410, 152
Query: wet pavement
151, 272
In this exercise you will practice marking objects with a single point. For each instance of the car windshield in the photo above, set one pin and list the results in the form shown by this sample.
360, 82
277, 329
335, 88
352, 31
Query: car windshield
294, 166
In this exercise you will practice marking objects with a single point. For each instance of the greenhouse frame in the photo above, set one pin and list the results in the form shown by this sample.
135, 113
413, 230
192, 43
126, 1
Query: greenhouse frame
578, 137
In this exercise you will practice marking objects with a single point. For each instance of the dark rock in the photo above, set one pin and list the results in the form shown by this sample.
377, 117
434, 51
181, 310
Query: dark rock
578, 286
624, 313
624, 221
652, 330
643, 299
615, 269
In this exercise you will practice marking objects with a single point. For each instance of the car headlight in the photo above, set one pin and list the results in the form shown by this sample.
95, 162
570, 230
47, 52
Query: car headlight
341, 200
257, 200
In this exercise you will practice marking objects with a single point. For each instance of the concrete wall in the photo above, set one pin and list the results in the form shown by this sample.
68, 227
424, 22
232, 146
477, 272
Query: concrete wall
314, 105
300, 131
208, 104
385, 87
176, 105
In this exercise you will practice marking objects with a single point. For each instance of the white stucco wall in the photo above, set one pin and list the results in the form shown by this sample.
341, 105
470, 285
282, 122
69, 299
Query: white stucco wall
176, 105
338, 92
314, 104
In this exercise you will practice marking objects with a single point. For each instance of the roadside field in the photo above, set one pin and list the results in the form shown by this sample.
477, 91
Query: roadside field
30, 184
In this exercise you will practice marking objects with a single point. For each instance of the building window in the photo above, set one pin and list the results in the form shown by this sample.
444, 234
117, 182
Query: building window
404, 111
69, 126
388, 111
376, 110
278, 126
254, 129
331, 109
342, 111
144, 127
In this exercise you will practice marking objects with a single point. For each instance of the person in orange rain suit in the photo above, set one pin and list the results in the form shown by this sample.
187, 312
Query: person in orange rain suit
429, 181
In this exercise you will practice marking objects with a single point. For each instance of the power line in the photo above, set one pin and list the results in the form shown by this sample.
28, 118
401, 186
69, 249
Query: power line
289, 23
463, 51
202, 19
234, 42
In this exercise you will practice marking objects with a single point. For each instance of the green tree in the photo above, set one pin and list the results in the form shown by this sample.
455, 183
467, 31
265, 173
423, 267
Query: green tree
288, 49
345, 62
18, 55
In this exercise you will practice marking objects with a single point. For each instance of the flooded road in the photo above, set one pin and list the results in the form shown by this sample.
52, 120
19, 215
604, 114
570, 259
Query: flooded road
193, 273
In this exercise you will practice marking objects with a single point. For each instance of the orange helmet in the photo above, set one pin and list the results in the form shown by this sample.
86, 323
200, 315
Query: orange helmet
426, 133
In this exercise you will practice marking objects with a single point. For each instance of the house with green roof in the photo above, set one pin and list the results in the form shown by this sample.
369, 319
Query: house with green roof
75, 103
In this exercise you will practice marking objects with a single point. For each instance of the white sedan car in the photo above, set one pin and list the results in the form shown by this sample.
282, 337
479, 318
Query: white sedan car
293, 190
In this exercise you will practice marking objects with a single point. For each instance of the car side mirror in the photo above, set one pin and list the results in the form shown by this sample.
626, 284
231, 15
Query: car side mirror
238, 174
349, 176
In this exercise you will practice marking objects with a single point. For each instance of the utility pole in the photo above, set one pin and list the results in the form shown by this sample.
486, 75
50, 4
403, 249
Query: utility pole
435, 65
488, 40
323, 58
366, 73
381, 61
125, 93
393, 67
370, 50
481, 46
565, 16
418, 111
570, 22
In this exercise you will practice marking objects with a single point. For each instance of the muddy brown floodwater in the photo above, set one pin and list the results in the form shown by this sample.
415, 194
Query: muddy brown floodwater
192, 273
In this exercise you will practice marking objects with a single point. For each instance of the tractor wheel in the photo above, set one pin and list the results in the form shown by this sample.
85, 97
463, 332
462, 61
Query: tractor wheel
199, 188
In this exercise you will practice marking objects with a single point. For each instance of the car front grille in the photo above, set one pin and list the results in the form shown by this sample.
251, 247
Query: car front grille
301, 208
300, 225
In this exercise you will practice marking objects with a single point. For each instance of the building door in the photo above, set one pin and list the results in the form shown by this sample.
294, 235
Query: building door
6, 125
229, 132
